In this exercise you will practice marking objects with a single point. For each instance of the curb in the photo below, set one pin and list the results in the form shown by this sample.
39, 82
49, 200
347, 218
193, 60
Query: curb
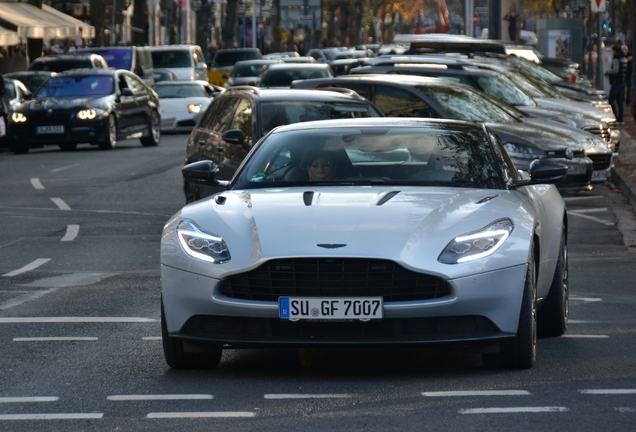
623, 173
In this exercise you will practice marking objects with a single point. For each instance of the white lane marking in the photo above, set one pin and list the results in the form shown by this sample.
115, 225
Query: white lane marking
583, 198
512, 410
60, 203
70, 416
582, 336
32, 266
592, 210
306, 396
75, 320
152, 338
586, 299
477, 393
53, 339
580, 322
592, 218
63, 168
35, 182
69, 280
211, 414
25, 298
28, 399
160, 397
71, 233
608, 391
625, 409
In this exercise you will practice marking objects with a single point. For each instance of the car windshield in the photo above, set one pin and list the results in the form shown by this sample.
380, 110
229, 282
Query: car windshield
466, 104
409, 156
502, 88
284, 78
180, 91
32, 82
118, 59
61, 65
227, 59
248, 69
539, 71
532, 86
74, 86
280, 113
171, 59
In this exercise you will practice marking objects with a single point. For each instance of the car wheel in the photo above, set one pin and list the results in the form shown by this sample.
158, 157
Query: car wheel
153, 136
110, 139
553, 315
521, 351
178, 358
68, 146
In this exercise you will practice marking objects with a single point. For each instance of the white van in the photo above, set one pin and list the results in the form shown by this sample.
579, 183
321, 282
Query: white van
185, 61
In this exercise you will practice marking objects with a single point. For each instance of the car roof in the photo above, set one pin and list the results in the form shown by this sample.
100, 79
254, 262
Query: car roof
406, 80
377, 122
317, 95
91, 71
29, 72
188, 82
258, 61
54, 57
296, 66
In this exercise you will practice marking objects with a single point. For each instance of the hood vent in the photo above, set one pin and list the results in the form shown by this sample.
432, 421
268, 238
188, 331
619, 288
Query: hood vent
387, 197
219, 199
308, 197
486, 199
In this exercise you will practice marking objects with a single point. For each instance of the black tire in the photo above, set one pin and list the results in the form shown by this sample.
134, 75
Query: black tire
68, 146
521, 351
110, 137
178, 358
553, 315
153, 135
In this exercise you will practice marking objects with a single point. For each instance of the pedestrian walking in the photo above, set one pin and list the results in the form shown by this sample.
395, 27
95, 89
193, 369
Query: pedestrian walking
616, 76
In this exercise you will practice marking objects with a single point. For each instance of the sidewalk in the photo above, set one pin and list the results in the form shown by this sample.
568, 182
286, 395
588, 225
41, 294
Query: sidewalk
624, 172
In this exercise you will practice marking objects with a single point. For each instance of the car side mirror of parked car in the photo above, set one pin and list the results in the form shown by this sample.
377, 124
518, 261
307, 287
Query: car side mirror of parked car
202, 173
544, 172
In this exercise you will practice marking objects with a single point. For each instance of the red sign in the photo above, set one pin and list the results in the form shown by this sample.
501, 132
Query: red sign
476, 19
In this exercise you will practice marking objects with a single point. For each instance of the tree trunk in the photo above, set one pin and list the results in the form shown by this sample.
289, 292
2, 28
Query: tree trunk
97, 20
139, 22
230, 22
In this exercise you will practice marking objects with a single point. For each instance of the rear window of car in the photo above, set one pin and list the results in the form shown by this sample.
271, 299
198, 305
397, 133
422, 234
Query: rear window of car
226, 59
76, 86
180, 91
248, 70
60, 65
171, 59
284, 78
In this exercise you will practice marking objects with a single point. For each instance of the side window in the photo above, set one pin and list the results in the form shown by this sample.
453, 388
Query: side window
395, 102
122, 83
220, 122
198, 56
243, 119
507, 167
135, 85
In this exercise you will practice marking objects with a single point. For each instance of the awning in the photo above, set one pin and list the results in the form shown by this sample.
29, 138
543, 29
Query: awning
33, 22
8, 37
87, 30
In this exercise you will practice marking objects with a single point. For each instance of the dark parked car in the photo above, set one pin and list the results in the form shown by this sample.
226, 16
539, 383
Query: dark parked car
282, 75
241, 116
31, 79
64, 62
414, 96
96, 106
247, 72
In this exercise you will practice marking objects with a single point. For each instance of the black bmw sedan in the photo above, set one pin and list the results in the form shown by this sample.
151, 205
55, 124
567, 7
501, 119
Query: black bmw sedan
95, 106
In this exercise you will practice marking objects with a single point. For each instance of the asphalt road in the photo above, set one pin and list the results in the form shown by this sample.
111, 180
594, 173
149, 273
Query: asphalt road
79, 329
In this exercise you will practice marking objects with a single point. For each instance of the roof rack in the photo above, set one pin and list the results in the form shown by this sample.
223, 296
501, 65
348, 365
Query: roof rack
248, 88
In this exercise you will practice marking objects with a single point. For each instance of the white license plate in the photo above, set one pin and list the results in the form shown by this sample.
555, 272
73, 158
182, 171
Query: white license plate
576, 169
326, 308
49, 129
597, 175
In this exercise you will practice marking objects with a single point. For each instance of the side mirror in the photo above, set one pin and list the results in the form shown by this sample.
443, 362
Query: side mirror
234, 136
202, 173
544, 172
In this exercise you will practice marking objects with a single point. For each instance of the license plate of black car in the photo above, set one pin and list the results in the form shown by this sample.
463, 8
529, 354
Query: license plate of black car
330, 308
50, 129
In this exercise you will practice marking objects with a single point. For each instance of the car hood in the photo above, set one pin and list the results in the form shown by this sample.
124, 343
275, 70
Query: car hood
602, 113
591, 143
412, 227
581, 88
537, 135
576, 119
65, 103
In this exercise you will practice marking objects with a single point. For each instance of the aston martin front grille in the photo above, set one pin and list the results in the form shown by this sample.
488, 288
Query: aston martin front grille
334, 277
601, 131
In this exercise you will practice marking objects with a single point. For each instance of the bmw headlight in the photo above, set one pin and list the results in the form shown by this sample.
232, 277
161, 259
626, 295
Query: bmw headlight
201, 245
89, 114
194, 108
17, 117
521, 151
478, 244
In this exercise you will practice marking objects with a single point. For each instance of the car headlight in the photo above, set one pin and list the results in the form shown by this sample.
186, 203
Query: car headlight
201, 245
521, 151
478, 244
194, 108
615, 134
17, 117
89, 114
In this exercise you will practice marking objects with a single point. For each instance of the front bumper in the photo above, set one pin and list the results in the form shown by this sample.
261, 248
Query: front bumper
75, 131
481, 308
